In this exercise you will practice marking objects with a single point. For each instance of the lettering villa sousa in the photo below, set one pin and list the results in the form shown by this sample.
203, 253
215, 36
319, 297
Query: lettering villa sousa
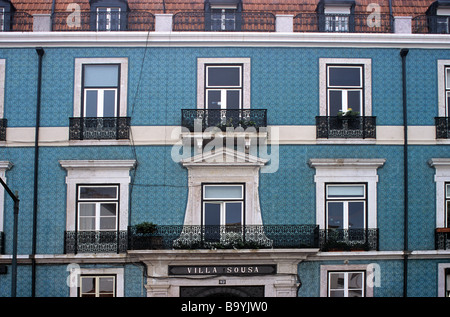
223, 270
213, 148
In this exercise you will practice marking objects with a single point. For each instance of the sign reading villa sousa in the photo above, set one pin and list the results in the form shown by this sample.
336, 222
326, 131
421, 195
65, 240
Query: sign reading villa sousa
223, 270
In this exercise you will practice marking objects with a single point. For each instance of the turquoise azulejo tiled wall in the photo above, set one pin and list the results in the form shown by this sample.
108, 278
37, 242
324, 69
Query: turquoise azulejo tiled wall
161, 81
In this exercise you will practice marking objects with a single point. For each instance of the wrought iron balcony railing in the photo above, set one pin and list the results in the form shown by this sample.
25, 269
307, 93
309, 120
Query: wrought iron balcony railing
97, 128
430, 24
442, 238
348, 239
346, 127
243, 21
3, 125
224, 237
93, 21
442, 127
353, 23
16, 22
95, 241
198, 120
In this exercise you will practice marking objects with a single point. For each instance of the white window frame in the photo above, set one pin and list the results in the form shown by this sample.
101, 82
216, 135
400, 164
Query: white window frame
223, 89
346, 171
76, 271
4, 166
442, 276
366, 268
97, 172
346, 286
345, 89
201, 78
97, 203
100, 100
346, 62
78, 82
108, 17
223, 201
2, 86
345, 201
442, 65
2, 19
441, 178
97, 278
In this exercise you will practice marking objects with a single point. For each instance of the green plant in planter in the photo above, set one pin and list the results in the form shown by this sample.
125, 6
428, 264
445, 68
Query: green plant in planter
145, 227
349, 114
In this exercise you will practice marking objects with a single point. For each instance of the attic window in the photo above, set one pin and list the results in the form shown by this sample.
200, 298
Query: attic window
222, 15
439, 17
335, 16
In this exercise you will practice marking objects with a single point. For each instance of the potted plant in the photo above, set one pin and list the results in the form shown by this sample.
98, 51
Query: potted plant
145, 227
145, 236
349, 114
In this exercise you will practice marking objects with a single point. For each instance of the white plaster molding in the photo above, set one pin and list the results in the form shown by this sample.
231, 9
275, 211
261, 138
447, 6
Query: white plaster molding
123, 82
223, 166
246, 89
441, 64
4, 166
442, 175
346, 171
324, 269
118, 272
97, 172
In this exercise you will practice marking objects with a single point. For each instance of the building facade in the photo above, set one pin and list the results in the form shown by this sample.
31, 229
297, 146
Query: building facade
234, 147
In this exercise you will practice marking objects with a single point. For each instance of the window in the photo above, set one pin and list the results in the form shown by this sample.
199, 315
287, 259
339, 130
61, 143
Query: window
2, 19
336, 16
447, 205
447, 90
97, 286
108, 19
223, 207
336, 23
345, 89
100, 90
222, 15
346, 206
442, 24
97, 208
223, 86
442, 179
346, 284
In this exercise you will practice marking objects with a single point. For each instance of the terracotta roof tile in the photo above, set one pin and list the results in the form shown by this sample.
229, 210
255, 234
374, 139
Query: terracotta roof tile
399, 7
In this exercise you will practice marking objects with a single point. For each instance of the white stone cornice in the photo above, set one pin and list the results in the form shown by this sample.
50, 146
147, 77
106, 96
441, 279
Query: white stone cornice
208, 39
97, 164
349, 163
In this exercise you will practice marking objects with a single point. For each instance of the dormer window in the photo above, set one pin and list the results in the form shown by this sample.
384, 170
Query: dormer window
108, 15
336, 15
223, 15
6, 12
438, 15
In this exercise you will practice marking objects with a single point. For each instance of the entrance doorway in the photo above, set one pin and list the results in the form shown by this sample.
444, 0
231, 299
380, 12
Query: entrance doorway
222, 291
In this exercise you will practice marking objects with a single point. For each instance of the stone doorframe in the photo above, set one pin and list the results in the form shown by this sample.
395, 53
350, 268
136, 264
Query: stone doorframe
160, 283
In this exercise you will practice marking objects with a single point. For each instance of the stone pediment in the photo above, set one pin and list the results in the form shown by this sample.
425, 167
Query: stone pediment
223, 157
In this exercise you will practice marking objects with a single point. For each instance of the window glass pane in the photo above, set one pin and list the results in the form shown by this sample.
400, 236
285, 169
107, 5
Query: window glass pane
354, 100
87, 210
233, 213
356, 215
223, 192
345, 191
335, 215
355, 293
447, 77
233, 99
447, 190
223, 76
108, 210
212, 214
355, 280
214, 99
448, 104
448, 214
337, 293
107, 223
101, 75
88, 285
109, 103
91, 97
335, 101
87, 223
106, 285
98, 192
336, 281
344, 76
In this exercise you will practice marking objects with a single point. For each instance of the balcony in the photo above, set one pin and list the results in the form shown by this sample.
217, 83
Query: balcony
423, 24
244, 22
354, 23
342, 127
348, 239
224, 237
442, 238
198, 120
16, 22
98, 128
87, 21
3, 125
95, 241
442, 128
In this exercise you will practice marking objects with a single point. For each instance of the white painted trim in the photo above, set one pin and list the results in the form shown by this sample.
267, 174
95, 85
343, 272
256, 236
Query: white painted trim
2, 87
246, 84
118, 272
97, 172
323, 62
441, 278
4, 166
227, 39
123, 82
346, 171
343, 268
441, 63
442, 175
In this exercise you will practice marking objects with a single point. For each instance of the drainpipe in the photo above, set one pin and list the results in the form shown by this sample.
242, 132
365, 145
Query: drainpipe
391, 18
40, 52
403, 54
